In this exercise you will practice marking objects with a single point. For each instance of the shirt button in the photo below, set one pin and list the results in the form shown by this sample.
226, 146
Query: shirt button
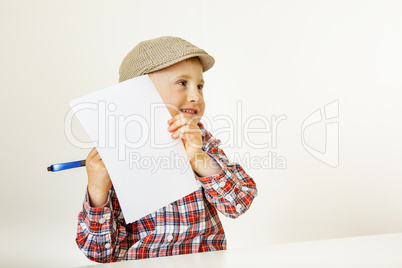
107, 245
222, 184
102, 220
238, 208
169, 237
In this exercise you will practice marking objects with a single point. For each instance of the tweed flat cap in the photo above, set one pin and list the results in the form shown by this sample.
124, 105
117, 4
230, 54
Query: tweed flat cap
156, 54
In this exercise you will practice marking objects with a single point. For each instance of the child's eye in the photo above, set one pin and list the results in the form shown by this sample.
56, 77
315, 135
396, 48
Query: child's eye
183, 83
200, 87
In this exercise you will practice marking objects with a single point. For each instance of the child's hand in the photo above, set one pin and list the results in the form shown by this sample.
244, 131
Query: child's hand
185, 127
99, 182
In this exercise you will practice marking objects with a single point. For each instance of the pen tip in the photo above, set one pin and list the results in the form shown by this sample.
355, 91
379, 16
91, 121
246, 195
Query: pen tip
49, 168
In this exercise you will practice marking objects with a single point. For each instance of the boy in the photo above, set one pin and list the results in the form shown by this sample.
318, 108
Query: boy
190, 224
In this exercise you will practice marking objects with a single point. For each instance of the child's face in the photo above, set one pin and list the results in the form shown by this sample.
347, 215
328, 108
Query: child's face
180, 86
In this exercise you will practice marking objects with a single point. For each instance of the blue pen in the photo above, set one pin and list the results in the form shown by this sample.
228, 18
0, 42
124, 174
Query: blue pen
63, 166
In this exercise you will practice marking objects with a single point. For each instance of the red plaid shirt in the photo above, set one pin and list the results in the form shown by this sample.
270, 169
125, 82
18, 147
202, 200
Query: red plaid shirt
189, 225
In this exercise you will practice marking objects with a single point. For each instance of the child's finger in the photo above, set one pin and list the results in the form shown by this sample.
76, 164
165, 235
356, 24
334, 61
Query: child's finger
191, 135
177, 123
172, 120
175, 118
92, 153
97, 157
94, 162
181, 130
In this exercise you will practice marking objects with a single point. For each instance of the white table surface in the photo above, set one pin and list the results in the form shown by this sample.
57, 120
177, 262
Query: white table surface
364, 251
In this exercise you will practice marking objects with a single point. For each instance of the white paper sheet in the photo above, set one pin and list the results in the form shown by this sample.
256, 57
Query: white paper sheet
128, 123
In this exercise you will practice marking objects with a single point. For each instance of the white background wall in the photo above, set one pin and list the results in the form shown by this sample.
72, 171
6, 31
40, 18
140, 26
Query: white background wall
275, 57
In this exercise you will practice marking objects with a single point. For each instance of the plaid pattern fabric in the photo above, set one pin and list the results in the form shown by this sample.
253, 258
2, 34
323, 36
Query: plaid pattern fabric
189, 225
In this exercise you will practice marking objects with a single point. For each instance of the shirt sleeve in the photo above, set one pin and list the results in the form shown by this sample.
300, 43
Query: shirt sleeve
101, 230
232, 190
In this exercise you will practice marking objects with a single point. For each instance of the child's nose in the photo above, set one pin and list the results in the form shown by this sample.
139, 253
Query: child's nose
194, 96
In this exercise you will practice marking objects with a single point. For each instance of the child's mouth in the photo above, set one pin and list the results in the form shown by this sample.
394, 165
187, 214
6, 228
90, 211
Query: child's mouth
189, 111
